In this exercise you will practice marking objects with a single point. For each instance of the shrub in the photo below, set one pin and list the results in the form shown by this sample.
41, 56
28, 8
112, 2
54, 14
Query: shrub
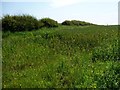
76, 23
41, 24
47, 22
67, 22
19, 23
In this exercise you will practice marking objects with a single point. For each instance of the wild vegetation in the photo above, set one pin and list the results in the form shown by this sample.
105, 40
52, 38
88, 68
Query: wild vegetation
19, 23
76, 23
62, 57
25, 23
47, 22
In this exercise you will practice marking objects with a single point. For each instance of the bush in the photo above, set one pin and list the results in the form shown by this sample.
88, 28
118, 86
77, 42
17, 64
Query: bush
76, 23
67, 22
47, 22
19, 23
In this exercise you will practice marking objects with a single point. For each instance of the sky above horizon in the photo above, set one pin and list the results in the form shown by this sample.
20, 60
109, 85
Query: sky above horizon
98, 12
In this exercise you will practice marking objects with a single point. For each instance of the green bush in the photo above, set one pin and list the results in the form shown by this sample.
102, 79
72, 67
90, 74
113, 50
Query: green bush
19, 23
47, 22
67, 22
76, 23
41, 24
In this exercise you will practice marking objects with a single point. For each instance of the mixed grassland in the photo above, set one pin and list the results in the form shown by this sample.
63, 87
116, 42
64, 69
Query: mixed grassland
62, 57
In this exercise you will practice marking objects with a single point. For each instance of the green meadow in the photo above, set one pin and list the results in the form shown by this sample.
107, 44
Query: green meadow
61, 57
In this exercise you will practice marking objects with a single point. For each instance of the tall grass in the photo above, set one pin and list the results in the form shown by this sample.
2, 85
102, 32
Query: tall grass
67, 56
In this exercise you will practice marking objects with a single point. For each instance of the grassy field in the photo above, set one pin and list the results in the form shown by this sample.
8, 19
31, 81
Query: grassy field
67, 56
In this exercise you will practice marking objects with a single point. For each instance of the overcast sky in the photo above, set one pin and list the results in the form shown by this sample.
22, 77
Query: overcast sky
94, 11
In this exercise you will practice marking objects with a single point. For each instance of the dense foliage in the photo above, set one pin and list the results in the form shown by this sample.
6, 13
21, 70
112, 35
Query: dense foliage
67, 22
25, 23
47, 22
76, 23
19, 23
